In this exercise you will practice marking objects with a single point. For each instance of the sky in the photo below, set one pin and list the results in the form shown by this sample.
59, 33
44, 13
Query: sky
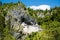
36, 3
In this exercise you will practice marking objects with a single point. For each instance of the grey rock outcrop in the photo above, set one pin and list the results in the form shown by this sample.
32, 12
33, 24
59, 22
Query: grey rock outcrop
17, 16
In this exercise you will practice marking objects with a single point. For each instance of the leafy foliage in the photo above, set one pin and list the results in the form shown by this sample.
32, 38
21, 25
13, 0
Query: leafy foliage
50, 23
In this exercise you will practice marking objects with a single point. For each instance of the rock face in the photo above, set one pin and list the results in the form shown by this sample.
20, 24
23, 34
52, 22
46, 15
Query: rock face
30, 28
41, 15
21, 23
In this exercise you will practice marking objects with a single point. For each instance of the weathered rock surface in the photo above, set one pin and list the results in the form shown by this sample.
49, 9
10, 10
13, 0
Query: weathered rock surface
21, 23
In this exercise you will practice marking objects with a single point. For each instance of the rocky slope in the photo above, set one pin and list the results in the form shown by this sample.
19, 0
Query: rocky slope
21, 23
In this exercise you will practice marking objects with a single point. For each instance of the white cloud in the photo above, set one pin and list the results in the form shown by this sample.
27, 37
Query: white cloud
41, 7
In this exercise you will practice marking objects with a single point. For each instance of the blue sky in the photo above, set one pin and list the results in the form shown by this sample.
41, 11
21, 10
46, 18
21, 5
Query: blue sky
52, 3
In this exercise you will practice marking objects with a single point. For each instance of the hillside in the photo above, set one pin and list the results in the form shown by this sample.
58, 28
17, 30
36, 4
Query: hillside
17, 22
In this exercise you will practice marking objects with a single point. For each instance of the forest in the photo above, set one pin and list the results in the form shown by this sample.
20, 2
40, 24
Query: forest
48, 20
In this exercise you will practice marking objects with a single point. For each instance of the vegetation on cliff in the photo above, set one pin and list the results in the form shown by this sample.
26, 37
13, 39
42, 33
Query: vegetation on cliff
49, 20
